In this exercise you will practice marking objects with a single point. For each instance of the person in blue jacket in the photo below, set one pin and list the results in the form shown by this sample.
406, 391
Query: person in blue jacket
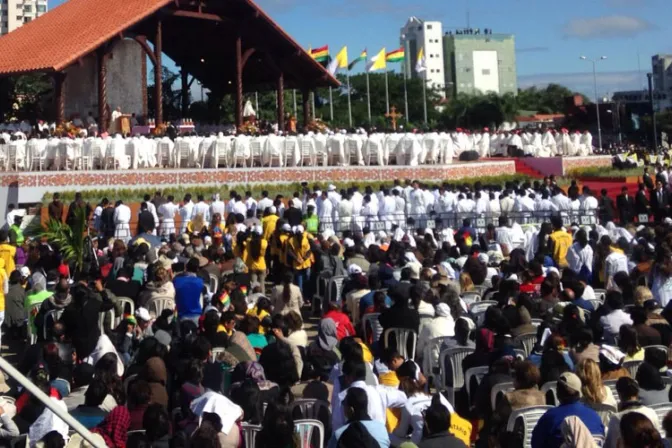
548, 433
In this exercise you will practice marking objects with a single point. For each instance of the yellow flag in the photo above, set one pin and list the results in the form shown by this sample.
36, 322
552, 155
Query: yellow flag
378, 62
340, 61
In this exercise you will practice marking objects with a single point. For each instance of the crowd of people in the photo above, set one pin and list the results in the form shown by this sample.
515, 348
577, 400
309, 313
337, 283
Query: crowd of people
24, 148
193, 332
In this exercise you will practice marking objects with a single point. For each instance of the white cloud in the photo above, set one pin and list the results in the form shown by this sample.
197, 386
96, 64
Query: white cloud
606, 27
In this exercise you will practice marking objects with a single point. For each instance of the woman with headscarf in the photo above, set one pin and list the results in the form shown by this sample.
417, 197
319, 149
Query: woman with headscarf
652, 389
441, 325
252, 370
114, 428
154, 372
323, 354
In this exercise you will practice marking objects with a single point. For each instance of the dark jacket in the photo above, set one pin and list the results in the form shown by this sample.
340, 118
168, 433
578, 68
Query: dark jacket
15, 314
626, 208
81, 318
606, 205
641, 203
119, 288
56, 210
442, 440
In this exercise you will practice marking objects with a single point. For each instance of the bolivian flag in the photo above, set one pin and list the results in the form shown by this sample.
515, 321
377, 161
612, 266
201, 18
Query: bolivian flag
320, 54
360, 58
396, 55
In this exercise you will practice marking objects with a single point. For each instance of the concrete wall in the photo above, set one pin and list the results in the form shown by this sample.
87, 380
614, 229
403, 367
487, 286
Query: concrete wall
124, 82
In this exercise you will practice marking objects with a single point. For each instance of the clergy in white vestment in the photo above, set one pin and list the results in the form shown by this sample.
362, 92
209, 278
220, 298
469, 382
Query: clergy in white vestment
418, 204
122, 220
337, 148
516, 140
548, 145
239, 206
115, 123
590, 205
185, 213
390, 143
326, 212
506, 202
446, 148
388, 207
586, 144
151, 208
369, 211
482, 202
399, 208
167, 214
495, 206
465, 203
561, 201
484, 143
250, 203
546, 206
202, 209
565, 146
576, 143
265, 202
430, 148
218, 206
345, 210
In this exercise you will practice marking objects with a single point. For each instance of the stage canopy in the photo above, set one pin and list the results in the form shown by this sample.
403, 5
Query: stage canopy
230, 46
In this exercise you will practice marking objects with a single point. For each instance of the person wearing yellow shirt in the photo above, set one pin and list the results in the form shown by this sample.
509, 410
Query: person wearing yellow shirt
269, 222
299, 258
561, 241
261, 311
4, 289
7, 251
254, 256
278, 245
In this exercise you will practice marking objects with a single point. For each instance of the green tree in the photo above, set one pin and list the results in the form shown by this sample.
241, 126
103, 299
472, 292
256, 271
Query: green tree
69, 240
171, 94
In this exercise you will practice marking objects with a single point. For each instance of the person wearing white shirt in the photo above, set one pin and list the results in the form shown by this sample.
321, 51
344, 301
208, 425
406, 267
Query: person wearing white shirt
264, 202
239, 207
504, 236
580, 256
122, 220
561, 201
13, 212
369, 211
590, 205
615, 262
201, 208
167, 213
465, 204
611, 323
412, 382
185, 213
546, 205
151, 208
495, 206
482, 202
250, 203
506, 202
399, 208
232, 200
345, 208
388, 208
217, 206
326, 211
380, 397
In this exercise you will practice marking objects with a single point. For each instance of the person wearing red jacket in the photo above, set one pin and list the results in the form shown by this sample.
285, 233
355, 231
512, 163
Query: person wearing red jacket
344, 327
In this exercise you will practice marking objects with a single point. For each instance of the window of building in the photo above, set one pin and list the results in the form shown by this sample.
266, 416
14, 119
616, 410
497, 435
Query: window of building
19, 18
485, 71
431, 55
467, 69
429, 27
41, 8
27, 8
26, 19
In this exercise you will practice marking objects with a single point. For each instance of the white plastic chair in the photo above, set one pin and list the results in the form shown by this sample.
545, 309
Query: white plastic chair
611, 384
256, 149
497, 389
215, 352
164, 151
37, 154
311, 409
429, 364
657, 347
476, 373
631, 367
335, 282
305, 428
552, 387
402, 336
123, 302
222, 151
530, 417
288, 149
526, 341
182, 153
600, 294
214, 283
157, 305
101, 320
456, 356
662, 410
370, 323
471, 297
250, 433
307, 151
55, 315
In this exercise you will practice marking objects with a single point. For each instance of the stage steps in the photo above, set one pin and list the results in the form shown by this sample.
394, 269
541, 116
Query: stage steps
524, 168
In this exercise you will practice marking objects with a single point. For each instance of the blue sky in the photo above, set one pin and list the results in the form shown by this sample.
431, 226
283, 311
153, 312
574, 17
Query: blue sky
550, 35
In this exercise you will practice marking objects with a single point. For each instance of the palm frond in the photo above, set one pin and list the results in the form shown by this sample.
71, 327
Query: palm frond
70, 240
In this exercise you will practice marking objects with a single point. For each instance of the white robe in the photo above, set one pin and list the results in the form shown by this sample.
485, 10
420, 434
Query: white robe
122, 219
484, 145
167, 214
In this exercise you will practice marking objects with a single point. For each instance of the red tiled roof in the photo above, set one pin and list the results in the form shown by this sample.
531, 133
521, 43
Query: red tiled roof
68, 32
74, 29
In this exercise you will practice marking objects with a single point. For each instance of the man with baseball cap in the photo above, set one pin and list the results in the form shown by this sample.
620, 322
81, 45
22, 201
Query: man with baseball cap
548, 432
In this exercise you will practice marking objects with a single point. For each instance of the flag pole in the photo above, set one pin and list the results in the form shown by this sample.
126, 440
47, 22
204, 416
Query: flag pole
312, 104
424, 98
349, 101
368, 96
256, 102
331, 105
387, 95
405, 95
294, 94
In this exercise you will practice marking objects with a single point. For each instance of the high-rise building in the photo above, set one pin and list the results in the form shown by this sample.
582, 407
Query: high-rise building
661, 66
480, 62
461, 61
14, 13
418, 34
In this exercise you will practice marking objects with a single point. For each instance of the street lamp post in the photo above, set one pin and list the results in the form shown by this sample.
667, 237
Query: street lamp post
597, 98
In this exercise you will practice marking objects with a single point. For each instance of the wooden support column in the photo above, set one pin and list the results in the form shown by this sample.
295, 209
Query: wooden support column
185, 92
102, 90
59, 103
305, 99
281, 102
238, 83
158, 76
